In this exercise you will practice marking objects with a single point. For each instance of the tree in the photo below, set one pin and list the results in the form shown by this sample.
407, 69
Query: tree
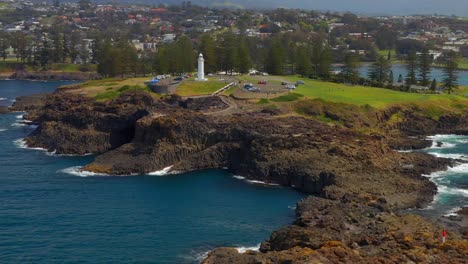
391, 77
244, 62
186, 54
411, 66
450, 71
208, 49
275, 58
434, 85
380, 71
400, 78
4, 43
56, 3
350, 69
389, 55
84, 4
304, 65
385, 38
321, 59
424, 64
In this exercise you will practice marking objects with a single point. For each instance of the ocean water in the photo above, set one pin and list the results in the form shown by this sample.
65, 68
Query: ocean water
49, 213
452, 184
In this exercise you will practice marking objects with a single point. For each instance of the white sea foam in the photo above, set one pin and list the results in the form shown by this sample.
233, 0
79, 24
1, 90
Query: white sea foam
443, 137
77, 171
21, 143
404, 151
453, 191
450, 155
16, 124
3, 98
3, 129
238, 177
199, 257
19, 116
162, 172
442, 145
292, 207
245, 249
242, 178
452, 212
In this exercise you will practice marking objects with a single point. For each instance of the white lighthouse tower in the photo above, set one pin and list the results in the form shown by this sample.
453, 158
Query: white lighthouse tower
201, 69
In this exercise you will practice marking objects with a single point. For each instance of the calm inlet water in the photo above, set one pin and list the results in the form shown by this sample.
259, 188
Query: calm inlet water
436, 73
49, 215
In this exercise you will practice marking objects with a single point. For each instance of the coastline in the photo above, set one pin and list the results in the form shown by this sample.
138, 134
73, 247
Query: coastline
164, 125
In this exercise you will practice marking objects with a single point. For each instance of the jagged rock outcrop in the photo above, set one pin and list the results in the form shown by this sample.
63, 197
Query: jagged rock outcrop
351, 230
73, 124
294, 151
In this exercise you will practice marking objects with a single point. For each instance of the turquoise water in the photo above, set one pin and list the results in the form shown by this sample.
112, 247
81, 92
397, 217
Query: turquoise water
49, 215
452, 184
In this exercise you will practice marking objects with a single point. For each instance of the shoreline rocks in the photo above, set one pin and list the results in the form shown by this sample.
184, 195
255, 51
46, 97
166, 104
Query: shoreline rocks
358, 181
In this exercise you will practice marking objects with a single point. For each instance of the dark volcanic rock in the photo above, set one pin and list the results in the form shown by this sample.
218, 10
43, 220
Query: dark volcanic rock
295, 152
204, 103
351, 232
29, 102
72, 124
4, 109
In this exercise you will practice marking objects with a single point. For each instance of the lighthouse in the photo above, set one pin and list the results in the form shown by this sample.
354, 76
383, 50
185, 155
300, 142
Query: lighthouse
201, 69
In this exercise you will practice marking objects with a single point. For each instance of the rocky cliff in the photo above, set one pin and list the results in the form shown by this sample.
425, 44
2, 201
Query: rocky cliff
349, 163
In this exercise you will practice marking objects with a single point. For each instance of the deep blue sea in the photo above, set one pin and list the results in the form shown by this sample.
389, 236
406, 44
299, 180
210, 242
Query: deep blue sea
49, 215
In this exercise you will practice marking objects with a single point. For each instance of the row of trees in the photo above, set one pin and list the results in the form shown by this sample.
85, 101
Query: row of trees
419, 67
59, 47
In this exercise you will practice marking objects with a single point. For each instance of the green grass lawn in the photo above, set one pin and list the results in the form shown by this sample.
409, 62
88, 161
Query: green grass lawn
361, 95
191, 88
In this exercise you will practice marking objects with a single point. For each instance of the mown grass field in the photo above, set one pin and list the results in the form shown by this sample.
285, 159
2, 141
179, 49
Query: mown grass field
361, 95
193, 88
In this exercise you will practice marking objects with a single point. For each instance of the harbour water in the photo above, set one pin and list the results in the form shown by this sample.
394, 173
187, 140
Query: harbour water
49, 213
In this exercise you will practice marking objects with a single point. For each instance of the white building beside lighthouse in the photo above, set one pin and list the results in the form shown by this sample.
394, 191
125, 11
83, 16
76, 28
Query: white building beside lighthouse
201, 69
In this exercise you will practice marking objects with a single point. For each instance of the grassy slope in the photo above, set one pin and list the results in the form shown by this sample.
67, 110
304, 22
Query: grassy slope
360, 95
109, 88
190, 87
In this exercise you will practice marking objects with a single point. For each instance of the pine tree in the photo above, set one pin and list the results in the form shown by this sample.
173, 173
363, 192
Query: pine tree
424, 63
434, 85
400, 78
450, 72
350, 69
275, 58
411, 65
303, 63
186, 54
244, 62
391, 77
380, 71
208, 49
321, 59
389, 55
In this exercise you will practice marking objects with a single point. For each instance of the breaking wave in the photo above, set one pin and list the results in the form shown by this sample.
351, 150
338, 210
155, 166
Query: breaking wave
162, 172
77, 171
242, 178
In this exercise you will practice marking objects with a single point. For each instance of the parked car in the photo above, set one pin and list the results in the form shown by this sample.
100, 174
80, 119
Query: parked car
180, 78
262, 82
290, 87
299, 82
284, 83
248, 86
